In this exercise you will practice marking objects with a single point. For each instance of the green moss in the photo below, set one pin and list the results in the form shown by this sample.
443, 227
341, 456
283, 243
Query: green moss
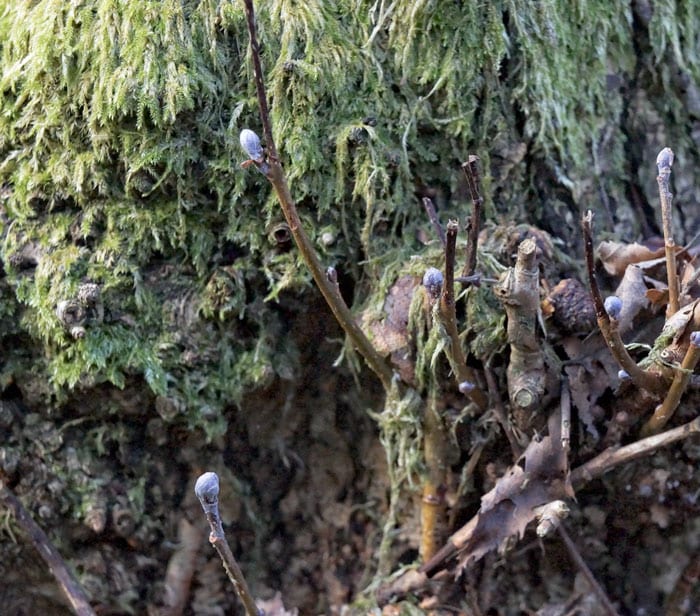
118, 135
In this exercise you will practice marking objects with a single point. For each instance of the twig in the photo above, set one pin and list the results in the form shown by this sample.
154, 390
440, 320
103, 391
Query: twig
665, 410
609, 327
463, 373
471, 171
519, 292
432, 215
664, 161
183, 561
565, 405
414, 580
207, 491
275, 174
614, 456
66, 581
501, 415
433, 518
587, 573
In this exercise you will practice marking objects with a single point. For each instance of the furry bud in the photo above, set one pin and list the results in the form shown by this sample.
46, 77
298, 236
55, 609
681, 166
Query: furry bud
695, 338
613, 306
622, 375
250, 143
466, 387
432, 281
665, 159
207, 488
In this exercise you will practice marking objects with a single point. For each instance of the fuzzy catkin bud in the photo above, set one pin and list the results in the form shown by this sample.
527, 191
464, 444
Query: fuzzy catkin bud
613, 306
665, 159
695, 338
432, 281
250, 143
207, 488
622, 375
466, 387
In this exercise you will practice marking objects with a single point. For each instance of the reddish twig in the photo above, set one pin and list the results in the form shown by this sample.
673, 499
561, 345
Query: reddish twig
471, 171
432, 216
614, 456
609, 327
66, 581
207, 491
586, 571
664, 161
464, 374
275, 174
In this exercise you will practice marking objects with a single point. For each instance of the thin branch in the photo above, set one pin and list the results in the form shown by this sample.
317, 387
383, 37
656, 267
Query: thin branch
614, 456
464, 374
207, 491
275, 174
471, 171
432, 216
665, 410
433, 507
587, 573
609, 327
664, 161
415, 580
501, 415
66, 581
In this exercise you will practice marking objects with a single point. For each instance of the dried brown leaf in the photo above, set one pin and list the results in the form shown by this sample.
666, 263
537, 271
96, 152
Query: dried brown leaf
540, 476
389, 334
616, 256
632, 290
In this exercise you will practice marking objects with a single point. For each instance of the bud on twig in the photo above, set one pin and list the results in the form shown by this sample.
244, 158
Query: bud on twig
432, 281
251, 145
613, 306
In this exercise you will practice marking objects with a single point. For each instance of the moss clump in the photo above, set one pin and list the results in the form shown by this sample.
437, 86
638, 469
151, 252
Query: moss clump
118, 124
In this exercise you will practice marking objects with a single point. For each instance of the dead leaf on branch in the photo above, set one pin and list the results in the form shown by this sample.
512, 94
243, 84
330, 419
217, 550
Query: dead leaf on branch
616, 256
540, 476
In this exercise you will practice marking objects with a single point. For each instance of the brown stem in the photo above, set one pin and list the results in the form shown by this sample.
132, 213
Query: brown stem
500, 412
207, 491
463, 373
432, 216
614, 456
518, 290
471, 171
413, 581
609, 327
664, 161
665, 410
68, 584
277, 178
587, 573
433, 515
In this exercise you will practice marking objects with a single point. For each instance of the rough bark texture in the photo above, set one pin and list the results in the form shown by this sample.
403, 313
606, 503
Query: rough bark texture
156, 322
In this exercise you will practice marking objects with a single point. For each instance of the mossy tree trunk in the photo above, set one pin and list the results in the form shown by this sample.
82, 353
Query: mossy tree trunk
151, 299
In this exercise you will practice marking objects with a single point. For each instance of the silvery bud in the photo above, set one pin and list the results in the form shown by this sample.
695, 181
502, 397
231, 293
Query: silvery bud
695, 339
207, 488
466, 387
613, 306
622, 375
432, 281
250, 143
665, 159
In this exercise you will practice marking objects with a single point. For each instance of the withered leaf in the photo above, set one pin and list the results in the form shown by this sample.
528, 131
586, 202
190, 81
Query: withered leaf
616, 256
540, 476
389, 333
632, 290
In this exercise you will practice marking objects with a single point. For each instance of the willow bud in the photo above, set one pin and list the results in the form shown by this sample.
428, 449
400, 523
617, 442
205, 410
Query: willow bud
250, 143
613, 306
432, 281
